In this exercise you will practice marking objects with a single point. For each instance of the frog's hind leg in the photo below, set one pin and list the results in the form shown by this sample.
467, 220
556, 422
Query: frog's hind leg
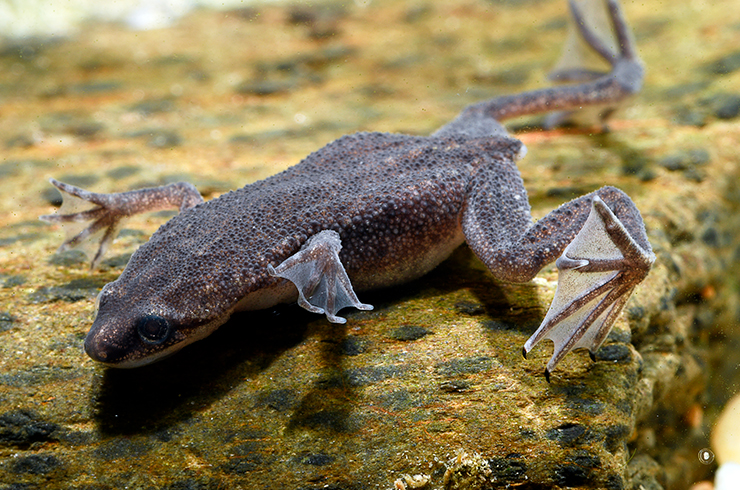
600, 29
597, 273
598, 36
593, 88
90, 216
604, 253
323, 284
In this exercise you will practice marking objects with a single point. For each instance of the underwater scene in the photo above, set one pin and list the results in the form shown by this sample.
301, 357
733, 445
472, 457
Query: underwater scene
241, 374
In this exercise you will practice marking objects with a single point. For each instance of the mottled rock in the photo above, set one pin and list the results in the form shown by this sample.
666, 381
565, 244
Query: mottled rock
154, 106
96, 87
727, 107
164, 139
23, 428
15, 167
25, 51
645, 472
570, 434
725, 65
454, 386
35, 464
507, 469
282, 396
80, 180
279, 400
469, 365
116, 262
317, 459
193, 484
123, 171
685, 159
67, 258
468, 308
37, 376
407, 333
614, 353
11, 281
119, 447
353, 345
75, 290
372, 374
721, 105
6, 321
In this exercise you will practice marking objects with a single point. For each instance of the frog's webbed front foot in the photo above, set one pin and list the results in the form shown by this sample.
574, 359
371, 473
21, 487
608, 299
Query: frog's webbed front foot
90, 216
323, 284
597, 272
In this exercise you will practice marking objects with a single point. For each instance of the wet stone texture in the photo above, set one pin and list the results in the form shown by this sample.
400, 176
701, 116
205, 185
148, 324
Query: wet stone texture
430, 388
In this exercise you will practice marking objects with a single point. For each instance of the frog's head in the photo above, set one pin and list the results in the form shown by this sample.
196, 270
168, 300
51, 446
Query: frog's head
131, 331
164, 299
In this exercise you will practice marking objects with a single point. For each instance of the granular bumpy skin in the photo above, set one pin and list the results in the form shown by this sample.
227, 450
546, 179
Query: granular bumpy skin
372, 210
398, 216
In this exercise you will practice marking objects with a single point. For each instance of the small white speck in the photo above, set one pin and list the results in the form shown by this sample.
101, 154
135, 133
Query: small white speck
300, 118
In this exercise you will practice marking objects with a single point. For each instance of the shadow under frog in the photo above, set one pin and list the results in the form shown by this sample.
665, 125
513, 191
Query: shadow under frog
160, 396
157, 397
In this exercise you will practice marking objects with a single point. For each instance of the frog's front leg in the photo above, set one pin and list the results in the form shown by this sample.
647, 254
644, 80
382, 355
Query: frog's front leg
604, 254
323, 284
105, 212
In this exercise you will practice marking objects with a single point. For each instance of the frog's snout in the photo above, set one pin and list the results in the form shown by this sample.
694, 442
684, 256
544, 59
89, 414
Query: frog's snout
102, 347
98, 348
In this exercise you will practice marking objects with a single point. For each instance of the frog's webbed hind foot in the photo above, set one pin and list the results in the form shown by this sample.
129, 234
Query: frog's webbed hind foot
593, 90
601, 30
323, 284
597, 272
90, 217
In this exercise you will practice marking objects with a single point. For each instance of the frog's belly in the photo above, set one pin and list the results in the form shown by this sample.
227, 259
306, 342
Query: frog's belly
281, 291
369, 276
417, 261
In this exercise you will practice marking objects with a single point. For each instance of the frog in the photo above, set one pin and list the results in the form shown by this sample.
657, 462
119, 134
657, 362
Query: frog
372, 210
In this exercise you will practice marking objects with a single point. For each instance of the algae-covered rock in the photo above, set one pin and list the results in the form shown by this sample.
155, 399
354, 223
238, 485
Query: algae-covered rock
428, 390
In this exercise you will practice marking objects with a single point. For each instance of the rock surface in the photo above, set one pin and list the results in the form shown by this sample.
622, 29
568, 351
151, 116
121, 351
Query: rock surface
429, 389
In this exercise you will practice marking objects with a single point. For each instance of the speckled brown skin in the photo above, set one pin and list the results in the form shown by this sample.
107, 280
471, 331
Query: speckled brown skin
400, 205
393, 212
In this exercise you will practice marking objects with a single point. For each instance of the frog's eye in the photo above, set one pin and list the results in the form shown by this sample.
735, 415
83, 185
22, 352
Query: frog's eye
153, 329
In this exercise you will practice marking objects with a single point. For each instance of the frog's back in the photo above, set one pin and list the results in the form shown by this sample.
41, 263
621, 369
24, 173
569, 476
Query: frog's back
390, 197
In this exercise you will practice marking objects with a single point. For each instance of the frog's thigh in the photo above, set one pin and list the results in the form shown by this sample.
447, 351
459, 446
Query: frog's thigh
323, 284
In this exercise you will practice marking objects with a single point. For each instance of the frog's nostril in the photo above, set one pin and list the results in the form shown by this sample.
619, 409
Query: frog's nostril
101, 349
